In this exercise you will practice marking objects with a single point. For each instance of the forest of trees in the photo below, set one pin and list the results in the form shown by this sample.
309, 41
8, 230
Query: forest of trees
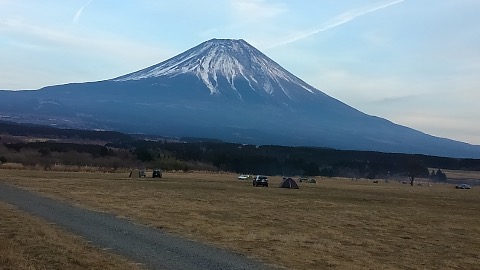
126, 151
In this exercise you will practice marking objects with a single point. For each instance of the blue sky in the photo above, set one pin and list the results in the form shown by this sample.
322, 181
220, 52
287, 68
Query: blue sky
414, 62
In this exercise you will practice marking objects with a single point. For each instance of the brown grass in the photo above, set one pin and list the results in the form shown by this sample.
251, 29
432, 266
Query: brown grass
462, 175
27, 242
334, 224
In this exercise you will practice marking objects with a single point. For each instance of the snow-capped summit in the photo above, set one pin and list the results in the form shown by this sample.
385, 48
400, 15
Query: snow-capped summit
222, 62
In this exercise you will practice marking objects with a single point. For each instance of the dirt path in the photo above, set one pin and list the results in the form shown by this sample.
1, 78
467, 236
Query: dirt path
151, 247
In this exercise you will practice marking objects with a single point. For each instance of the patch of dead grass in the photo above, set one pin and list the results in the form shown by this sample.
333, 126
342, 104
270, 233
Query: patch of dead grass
28, 243
334, 224
462, 175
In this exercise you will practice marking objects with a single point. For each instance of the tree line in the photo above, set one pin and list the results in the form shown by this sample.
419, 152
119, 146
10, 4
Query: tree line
308, 161
122, 150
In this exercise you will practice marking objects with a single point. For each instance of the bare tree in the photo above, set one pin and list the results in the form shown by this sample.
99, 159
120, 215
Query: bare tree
416, 169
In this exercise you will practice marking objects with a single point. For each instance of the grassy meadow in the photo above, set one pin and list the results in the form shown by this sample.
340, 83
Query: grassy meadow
333, 224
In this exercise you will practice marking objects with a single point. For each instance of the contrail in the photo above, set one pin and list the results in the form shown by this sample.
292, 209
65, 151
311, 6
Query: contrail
76, 18
338, 20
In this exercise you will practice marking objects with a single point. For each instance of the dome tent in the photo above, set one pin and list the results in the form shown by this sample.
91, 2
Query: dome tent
289, 183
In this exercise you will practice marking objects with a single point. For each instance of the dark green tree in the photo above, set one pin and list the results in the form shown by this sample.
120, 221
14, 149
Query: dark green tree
441, 176
44, 151
143, 154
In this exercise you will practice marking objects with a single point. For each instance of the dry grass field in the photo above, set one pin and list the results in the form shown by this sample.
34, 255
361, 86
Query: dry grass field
334, 224
463, 176
27, 242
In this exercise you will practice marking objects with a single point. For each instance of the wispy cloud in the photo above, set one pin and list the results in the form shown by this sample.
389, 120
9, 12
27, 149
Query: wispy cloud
257, 9
40, 37
338, 20
76, 18
389, 100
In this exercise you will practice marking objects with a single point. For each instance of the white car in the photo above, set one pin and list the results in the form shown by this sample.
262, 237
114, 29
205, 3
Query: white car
463, 186
243, 177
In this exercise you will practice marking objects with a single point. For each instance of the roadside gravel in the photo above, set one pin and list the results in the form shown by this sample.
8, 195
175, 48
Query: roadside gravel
151, 247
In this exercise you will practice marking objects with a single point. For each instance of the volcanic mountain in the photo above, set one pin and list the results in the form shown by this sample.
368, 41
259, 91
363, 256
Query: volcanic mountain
223, 89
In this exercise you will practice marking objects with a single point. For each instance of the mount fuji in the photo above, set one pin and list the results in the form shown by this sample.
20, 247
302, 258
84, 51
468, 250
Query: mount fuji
223, 89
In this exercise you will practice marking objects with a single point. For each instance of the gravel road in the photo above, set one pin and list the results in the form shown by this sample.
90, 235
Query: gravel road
151, 247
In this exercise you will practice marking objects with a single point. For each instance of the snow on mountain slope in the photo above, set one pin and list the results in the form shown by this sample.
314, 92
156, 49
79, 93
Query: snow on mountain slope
232, 61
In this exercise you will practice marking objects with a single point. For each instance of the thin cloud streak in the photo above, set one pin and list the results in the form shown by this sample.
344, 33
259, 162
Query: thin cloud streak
76, 18
254, 10
337, 21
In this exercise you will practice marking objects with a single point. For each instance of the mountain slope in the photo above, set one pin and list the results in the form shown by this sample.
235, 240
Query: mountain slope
223, 89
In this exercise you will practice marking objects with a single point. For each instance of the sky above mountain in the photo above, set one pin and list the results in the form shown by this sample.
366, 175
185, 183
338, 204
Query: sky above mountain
415, 63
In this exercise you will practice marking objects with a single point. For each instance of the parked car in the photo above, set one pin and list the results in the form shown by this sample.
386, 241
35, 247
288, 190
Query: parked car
302, 179
243, 177
157, 173
260, 180
463, 186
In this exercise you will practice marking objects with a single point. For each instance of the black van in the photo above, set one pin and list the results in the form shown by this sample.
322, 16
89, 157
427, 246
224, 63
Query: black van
157, 173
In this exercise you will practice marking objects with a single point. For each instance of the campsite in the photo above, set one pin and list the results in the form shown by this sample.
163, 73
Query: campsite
336, 223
